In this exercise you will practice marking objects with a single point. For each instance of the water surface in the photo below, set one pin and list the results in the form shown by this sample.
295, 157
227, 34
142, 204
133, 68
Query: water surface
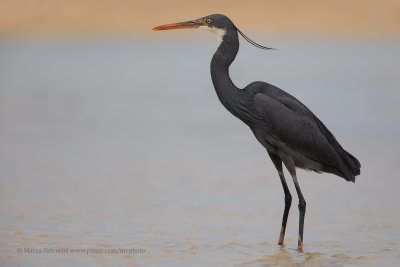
123, 144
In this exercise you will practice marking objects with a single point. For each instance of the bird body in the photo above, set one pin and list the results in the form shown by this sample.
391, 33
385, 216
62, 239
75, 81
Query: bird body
288, 130
280, 122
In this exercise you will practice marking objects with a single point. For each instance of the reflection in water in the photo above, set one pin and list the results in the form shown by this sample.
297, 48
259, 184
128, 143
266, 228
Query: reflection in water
104, 150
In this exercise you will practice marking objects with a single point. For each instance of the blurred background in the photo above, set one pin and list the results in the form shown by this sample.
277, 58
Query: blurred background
355, 18
111, 136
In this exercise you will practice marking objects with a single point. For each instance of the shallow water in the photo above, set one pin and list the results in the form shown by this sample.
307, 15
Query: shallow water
122, 144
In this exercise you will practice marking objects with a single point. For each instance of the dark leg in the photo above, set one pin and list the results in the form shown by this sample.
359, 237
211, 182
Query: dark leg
288, 197
302, 207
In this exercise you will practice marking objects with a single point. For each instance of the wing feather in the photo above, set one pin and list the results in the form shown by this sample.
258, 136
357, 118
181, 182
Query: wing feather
292, 124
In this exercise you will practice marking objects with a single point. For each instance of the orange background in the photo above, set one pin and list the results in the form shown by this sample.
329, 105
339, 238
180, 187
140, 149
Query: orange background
281, 17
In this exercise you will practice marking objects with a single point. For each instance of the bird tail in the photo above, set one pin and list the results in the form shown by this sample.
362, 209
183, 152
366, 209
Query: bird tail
349, 167
351, 164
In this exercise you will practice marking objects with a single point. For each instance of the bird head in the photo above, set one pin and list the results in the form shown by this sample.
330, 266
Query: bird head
217, 23
211, 22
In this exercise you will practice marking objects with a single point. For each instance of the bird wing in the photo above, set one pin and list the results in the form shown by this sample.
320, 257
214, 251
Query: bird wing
291, 125
286, 99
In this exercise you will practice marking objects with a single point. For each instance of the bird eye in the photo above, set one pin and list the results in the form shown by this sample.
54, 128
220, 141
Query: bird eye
208, 21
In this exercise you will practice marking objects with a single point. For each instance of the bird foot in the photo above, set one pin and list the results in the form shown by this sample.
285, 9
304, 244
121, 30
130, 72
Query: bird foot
300, 247
300, 244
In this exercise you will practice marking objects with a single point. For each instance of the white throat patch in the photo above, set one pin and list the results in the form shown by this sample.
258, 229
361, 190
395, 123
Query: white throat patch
219, 32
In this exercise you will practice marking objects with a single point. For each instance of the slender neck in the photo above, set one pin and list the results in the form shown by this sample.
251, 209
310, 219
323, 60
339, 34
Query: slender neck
220, 63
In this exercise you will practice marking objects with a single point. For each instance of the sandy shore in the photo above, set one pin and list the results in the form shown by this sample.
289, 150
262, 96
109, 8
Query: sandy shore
337, 18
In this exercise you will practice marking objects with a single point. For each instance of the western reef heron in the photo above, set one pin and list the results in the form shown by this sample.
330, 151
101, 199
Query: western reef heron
288, 130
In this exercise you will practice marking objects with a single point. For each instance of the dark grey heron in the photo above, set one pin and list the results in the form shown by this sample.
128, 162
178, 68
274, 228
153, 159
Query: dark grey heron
289, 131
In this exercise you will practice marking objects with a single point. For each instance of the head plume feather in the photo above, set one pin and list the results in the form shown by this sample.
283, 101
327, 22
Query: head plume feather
252, 42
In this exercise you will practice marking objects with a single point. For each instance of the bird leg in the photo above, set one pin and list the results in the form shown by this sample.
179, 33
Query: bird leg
302, 211
288, 203
288, 197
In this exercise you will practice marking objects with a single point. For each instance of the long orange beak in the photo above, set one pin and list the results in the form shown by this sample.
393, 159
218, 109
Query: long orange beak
191, 24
